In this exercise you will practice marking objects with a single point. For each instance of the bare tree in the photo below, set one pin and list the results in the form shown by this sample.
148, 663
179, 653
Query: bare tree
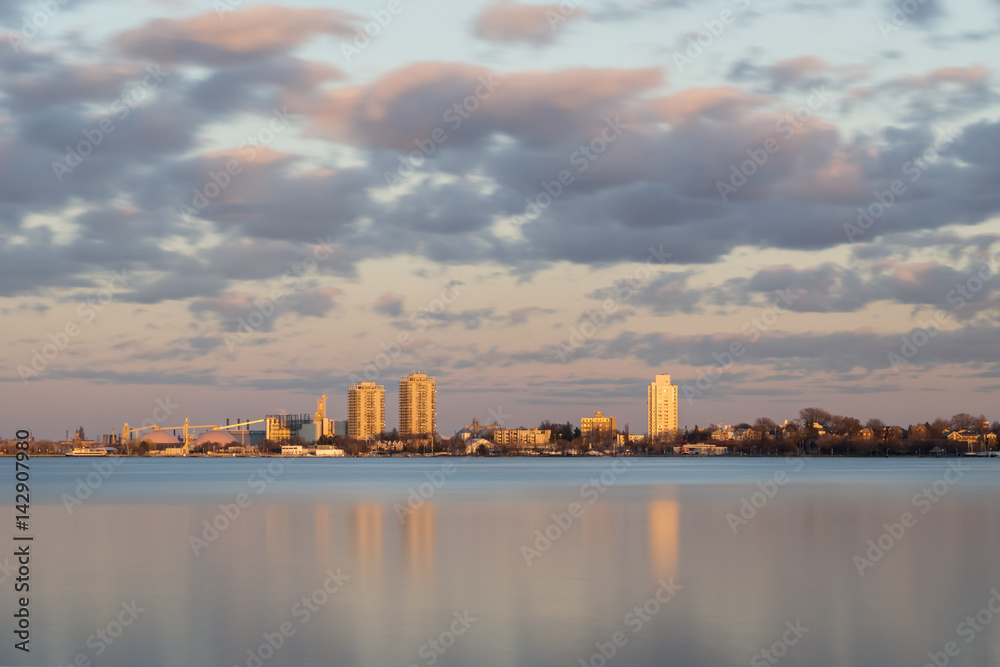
938, 427
964, 420
764, 424
848, 426
812, 416
877, 426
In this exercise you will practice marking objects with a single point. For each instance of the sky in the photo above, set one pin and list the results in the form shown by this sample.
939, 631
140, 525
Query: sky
224, 210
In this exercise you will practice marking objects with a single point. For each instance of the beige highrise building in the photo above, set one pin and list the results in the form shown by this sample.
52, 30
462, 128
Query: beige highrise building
365, 410
417, 405
662, 408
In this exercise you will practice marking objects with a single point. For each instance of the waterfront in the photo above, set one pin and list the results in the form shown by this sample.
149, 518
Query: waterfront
512, 562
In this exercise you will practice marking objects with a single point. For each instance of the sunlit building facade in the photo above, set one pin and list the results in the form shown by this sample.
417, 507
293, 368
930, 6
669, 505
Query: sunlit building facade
598, 426
365, 410
417, 405
661, 406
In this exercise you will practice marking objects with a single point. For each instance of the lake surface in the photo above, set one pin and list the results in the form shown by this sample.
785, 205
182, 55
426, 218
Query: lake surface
514, 562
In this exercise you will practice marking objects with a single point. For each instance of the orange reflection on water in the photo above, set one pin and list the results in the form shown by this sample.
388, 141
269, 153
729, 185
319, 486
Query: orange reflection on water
418, 542
664, 528
369, 536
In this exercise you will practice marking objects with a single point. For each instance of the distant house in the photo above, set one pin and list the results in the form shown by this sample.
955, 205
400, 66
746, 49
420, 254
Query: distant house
723, 433
472, 446
819, 428
971, 437
867, 434
894, 432
918, 432
701, 450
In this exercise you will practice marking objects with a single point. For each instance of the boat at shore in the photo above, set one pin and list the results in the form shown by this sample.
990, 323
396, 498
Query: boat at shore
87, 451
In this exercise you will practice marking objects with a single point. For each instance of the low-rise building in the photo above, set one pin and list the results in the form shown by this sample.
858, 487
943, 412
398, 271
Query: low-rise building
701, 449
517, 437
598, 426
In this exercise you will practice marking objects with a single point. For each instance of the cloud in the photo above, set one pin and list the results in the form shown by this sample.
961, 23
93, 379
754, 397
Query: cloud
389, 304
223, 39
507, 21
232, 308
469, 104
838, 352
522, 315
722, 104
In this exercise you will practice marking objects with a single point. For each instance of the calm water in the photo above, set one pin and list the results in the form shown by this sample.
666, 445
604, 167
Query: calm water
654, 555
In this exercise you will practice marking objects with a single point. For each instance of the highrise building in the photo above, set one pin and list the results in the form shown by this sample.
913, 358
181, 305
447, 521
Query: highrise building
417, 405
662, 408
365, 410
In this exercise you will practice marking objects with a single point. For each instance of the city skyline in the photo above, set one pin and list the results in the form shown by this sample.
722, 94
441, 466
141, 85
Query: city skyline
365, 416
239, 208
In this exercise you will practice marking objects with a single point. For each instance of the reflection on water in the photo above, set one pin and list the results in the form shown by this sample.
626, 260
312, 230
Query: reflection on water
409, 574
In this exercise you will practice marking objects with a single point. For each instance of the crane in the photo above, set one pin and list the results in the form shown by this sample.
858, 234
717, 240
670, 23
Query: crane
129, 433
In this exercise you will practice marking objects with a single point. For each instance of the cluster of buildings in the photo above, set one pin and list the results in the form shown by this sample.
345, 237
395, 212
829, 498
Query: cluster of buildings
312, 434
972, 438
366, 421
417, 408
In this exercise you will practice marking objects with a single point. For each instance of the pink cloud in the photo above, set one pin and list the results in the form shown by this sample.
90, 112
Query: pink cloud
506, 21
721, 103
409, 103
215, 38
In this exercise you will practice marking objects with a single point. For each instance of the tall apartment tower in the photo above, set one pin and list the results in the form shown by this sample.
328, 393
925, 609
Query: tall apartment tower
661, 406
417, 405
365, 410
